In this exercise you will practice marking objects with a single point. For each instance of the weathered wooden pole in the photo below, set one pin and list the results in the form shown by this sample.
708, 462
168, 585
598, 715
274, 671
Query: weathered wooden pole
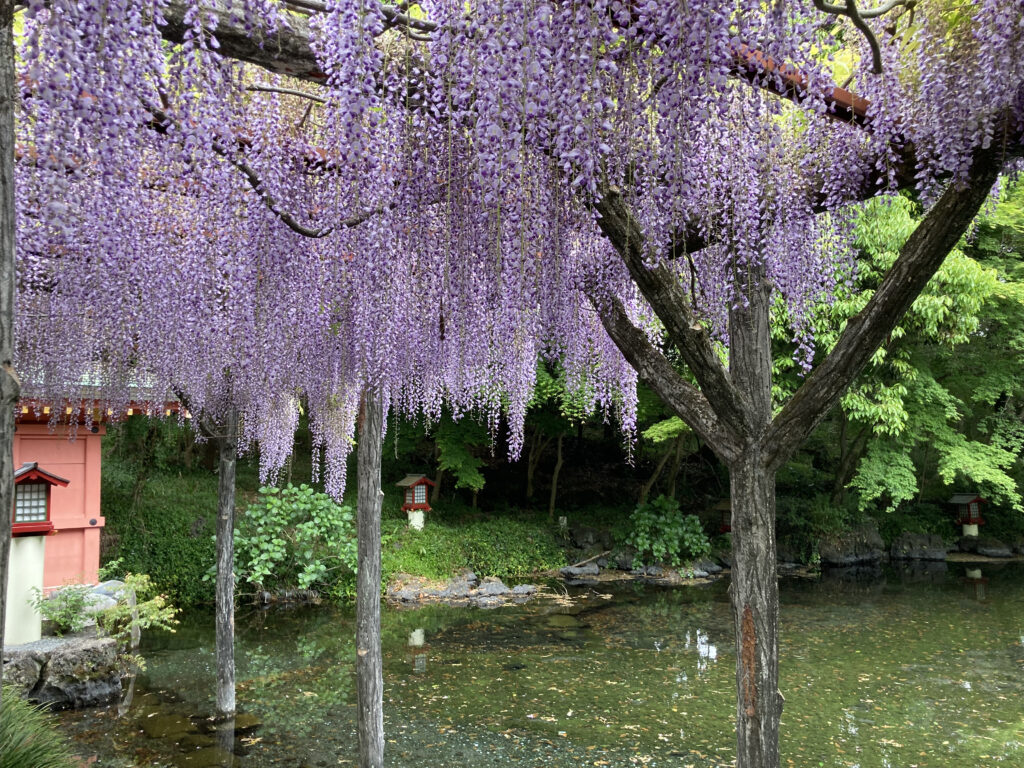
369, 662
10, 388
225, 621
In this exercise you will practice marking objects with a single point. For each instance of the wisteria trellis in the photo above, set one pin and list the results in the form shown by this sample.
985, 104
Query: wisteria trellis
424, 218
469, 159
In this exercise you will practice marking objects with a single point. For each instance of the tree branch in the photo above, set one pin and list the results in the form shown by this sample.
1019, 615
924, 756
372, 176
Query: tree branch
919, 259
685, 400
663, 291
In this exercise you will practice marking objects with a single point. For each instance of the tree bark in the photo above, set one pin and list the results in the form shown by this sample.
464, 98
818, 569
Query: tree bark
369, 662
754, 589
554, 478
10, 387
225, 621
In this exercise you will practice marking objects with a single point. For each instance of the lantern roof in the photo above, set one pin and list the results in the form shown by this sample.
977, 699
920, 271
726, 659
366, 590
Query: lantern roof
410, 480
31, 470
965, 498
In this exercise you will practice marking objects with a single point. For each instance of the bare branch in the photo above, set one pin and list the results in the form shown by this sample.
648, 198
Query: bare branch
287, 92
858, 17
663, 291
688, 402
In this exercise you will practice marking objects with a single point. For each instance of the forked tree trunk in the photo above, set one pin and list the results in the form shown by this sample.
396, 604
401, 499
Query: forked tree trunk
369, 664
9, 386
228, 443
754, 590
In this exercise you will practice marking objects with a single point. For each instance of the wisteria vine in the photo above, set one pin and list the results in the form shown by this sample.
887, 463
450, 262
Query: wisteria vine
420, 220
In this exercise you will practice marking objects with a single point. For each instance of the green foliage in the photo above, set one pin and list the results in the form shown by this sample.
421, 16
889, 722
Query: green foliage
148, 610
28, 736
295, 537
459, 444
886, 475
803, 520
506, 547
166, 531
65, 608
916, 518
667, 429
662, 533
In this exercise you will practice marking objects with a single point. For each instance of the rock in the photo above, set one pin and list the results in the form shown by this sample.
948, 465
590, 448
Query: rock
112, 589
575, 571
98, 603
708, 565
406, 595
697, 573
83, 672
1018, 546
623, 558
860, 545
22, 670
524, 589
492, 586
649, 570
488, 601
968, 544
584, 537
918, 546
992, 547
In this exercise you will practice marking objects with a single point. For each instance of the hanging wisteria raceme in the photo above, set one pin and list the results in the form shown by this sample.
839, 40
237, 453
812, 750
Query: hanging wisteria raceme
416, 211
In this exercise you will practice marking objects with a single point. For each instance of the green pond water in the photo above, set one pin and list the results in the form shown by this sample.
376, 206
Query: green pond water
913, 668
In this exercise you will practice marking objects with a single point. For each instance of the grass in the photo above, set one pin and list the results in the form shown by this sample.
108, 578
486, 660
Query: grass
28, 738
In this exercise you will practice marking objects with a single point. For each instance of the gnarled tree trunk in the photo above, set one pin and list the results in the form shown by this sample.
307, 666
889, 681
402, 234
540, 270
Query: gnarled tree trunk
369, 663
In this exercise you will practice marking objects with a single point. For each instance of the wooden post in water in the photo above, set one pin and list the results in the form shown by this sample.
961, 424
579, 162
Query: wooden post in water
228, 440
369, 664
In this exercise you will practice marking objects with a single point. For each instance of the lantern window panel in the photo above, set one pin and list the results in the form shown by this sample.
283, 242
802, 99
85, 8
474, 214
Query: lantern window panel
408, 495
420, 494
30, 503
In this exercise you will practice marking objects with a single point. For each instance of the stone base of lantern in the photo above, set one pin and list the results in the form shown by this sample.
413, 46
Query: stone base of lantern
415, 519
23, 623
970, 530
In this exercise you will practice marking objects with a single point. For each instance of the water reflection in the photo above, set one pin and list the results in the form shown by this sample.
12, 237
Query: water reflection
975, 584
873, 674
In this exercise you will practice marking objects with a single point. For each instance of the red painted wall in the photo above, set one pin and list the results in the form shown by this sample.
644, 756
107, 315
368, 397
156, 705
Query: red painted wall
73, 552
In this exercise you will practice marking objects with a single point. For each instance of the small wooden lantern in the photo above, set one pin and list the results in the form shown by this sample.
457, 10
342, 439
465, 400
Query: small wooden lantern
968, 511
32, 486
415, 498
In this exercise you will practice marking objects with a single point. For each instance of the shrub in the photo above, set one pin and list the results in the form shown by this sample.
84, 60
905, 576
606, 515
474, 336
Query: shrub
295, 537
28, 738
661, 532
65, 608
148, 610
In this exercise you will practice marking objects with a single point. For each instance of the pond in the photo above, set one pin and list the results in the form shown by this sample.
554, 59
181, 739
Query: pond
921, 667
